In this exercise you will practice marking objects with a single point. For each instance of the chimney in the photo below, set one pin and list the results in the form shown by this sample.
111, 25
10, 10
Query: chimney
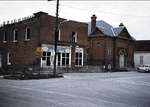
121, 24
93, 22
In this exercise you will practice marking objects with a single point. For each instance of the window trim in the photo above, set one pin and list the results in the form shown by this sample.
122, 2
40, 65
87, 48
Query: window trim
26, 33
4, 37
109, 51
8, 59
74, 37
79, 58
59, 33
14, 35
46, 56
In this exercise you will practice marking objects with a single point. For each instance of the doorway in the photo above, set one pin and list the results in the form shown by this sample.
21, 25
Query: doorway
121, 61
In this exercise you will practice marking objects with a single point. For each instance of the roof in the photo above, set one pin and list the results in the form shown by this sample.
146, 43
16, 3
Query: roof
107, 29
142, 45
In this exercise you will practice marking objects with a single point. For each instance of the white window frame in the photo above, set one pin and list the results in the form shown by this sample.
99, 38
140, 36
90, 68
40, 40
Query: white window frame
8, 59
44, 62
14, 35
4, 37
79, 58
65, 59
59, 33
26, 38
109, 51
74, 37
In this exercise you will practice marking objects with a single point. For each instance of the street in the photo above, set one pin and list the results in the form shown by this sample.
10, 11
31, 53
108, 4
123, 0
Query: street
118, 89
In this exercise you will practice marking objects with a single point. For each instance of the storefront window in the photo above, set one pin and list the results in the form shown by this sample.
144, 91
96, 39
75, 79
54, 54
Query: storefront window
78, 58
46, 57
65, 59
59, 59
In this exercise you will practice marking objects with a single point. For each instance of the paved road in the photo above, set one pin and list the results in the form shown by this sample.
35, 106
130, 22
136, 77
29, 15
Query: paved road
122, 89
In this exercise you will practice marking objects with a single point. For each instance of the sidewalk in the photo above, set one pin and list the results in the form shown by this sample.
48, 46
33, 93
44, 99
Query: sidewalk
1, 77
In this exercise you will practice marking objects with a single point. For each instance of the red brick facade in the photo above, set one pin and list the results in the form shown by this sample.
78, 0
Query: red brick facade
105, 50
94, 49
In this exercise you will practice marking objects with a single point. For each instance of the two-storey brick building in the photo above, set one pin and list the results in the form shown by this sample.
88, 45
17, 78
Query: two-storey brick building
19, 39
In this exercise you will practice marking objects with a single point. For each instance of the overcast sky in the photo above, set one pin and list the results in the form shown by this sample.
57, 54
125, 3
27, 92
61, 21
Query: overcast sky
134, 14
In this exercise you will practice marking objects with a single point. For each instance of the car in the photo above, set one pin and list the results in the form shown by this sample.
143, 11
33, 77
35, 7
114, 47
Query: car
144, 68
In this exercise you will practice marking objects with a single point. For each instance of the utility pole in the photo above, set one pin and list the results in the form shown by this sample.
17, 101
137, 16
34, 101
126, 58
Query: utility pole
56, 38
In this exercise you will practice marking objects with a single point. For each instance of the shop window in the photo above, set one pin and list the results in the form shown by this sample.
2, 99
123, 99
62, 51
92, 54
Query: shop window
59, 59
65, 59
78, 58
46, 57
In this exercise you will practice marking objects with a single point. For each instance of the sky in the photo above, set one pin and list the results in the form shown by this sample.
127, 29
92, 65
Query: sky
135, 15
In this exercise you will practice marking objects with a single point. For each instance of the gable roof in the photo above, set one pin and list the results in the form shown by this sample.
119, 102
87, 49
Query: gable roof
118, 30
142, 45
107, 29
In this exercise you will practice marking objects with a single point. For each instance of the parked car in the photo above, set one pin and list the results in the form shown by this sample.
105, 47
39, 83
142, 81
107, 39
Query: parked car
144, 68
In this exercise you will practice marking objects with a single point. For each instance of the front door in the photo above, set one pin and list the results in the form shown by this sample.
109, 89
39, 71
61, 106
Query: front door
121, 61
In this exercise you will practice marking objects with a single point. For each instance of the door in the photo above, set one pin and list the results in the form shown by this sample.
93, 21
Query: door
121, 61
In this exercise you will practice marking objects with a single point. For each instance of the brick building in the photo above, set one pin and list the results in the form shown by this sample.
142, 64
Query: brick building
20, 38
104, 45
110, 47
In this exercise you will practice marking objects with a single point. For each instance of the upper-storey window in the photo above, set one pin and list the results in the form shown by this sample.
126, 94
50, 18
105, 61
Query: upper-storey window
74, 37
15, 35
27, 35
59, 34
5, 37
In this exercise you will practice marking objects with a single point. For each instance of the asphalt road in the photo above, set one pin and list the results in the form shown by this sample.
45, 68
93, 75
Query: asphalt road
122, 89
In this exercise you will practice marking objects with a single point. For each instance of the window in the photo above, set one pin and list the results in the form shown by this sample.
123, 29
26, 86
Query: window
141, 60
27, 35
74, 37
78, 58
8, 59
59, 59
98, 44
5, 37
59, 34
15, 35
46, 57
65, 59
109, 51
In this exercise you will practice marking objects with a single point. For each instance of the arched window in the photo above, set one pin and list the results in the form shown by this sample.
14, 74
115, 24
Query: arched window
27, 35
5, 37
15, 35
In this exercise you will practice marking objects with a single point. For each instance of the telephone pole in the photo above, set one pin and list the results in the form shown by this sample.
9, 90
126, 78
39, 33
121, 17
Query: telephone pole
56, 38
